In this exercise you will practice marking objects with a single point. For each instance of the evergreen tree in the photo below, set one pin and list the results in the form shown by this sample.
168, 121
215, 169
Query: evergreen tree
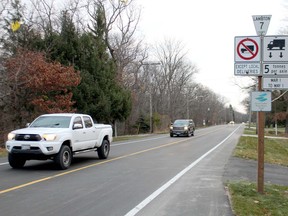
65, 45
99, 94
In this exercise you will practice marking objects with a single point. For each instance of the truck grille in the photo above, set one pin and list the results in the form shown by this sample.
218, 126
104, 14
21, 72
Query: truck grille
27, 137
178, 128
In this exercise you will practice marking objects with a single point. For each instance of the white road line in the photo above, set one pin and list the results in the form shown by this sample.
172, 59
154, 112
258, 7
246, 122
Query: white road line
156, 193
1, 164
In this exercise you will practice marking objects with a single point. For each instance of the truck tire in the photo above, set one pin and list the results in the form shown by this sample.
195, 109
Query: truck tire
64, 158
16, 161
104, 149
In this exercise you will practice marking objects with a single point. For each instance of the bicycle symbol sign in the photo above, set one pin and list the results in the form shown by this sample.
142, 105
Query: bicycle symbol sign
247, 49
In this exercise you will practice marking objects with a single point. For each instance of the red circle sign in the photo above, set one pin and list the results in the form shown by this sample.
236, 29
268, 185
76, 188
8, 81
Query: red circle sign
247, 49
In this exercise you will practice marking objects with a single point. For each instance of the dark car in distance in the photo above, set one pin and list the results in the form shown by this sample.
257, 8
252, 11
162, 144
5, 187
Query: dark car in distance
182, 127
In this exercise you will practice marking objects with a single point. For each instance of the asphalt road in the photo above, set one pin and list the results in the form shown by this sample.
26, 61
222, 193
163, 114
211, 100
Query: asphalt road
154, 175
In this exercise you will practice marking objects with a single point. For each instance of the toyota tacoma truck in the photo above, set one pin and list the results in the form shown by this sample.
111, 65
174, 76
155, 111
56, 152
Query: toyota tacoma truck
58, 137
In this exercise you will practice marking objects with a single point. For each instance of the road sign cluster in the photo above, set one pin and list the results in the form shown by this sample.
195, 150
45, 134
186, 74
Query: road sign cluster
263, 56
272, 65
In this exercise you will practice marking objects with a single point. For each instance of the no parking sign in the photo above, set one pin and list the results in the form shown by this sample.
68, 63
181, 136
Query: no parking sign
247, 49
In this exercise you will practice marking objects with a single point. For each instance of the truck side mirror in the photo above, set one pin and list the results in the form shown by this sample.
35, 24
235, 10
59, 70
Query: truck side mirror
77, 126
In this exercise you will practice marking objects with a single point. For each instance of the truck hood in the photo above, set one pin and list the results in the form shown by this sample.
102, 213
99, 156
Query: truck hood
39, 131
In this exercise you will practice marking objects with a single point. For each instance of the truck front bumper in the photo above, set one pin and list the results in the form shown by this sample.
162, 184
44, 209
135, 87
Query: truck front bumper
179, 132
33, 149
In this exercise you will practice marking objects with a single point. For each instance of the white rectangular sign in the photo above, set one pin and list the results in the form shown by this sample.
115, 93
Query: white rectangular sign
275, 83
247, 69
247, 49
275, 69
261, 101
275, 49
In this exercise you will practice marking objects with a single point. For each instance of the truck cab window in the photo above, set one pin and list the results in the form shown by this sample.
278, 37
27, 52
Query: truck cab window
78, 121
87, 121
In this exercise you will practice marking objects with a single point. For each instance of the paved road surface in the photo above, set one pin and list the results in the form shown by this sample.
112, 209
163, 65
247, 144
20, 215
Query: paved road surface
156, 175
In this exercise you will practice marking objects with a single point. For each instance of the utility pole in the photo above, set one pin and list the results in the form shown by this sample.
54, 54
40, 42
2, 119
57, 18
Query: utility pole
150, 94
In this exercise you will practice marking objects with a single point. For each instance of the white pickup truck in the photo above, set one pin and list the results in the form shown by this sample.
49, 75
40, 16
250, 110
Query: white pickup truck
58, 137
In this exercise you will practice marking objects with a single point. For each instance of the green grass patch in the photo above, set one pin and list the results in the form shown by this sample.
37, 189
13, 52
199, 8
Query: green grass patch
267, 131
128, 137
250, 131
247, 201
245, 198
275, 150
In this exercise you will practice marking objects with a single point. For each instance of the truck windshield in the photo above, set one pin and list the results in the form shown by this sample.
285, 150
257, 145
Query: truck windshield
180, 123
52, 122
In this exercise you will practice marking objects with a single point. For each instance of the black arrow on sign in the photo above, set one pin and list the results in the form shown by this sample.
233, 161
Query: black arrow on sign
281, 55
270, 55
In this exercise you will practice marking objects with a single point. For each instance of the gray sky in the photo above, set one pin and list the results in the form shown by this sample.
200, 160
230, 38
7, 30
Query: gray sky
207, 28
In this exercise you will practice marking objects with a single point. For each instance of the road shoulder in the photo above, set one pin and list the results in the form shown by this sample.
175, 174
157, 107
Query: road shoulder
238, 169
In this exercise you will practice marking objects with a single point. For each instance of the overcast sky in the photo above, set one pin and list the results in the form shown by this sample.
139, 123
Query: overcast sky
208, 28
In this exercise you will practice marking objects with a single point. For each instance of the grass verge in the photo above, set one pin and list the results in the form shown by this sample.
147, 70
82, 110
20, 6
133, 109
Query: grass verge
244, 197
128, 137
247, 201
275, 152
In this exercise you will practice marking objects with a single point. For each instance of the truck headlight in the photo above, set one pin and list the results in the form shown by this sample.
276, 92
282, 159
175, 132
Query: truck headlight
49, 137
185, 127
11, 136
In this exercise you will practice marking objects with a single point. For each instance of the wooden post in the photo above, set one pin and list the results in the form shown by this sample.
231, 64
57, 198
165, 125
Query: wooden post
261, 124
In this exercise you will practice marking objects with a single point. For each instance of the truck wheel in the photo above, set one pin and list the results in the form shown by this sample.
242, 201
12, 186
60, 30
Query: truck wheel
171, 134
16, 161
104, 149
64, 158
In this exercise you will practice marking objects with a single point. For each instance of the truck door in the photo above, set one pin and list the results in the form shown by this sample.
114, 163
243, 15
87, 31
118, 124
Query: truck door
79, 134
91, 136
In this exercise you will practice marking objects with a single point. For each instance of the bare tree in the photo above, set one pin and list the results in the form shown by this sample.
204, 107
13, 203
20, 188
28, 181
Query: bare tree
175, 75
4, 7
128, 53
3, 11
121, 21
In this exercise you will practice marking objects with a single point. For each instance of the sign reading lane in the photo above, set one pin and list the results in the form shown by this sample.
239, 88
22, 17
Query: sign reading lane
247, 49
